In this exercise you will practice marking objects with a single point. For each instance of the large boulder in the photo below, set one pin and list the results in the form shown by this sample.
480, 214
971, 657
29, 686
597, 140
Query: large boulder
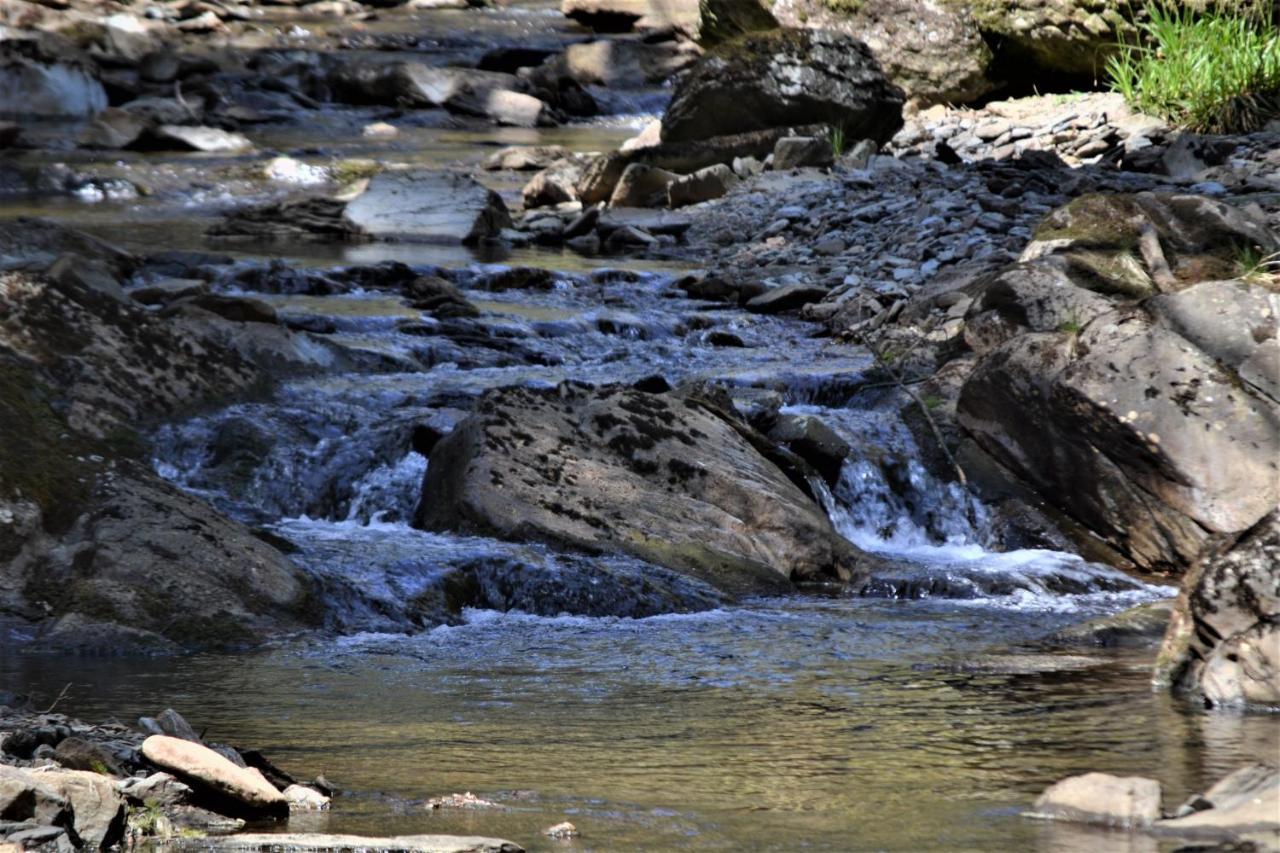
1130, 394
426, 206
1120, 801
671, 479
1223, 643
38, 80
1057, 36
206, 770
785, 78
931, 48
95, 549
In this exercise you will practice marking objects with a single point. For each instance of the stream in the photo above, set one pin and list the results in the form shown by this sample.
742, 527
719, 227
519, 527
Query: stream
924, 715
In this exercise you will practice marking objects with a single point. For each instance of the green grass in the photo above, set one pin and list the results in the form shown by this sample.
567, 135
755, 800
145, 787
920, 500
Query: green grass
1211, 73
1256, 268
835, 135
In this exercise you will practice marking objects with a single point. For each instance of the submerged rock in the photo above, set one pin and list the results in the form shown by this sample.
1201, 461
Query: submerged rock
663, 477
785, 79
425, 206
294, 842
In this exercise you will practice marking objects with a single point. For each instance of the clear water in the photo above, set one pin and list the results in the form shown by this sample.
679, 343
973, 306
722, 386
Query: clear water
812, 722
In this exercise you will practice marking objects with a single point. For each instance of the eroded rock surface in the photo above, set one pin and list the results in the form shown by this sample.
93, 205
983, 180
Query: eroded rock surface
663, 477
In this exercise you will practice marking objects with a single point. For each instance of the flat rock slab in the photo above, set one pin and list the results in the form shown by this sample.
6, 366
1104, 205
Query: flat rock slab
425, 206
207, 769
309, 843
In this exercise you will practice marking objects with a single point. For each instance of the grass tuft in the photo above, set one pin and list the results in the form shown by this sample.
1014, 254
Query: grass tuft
1210, 72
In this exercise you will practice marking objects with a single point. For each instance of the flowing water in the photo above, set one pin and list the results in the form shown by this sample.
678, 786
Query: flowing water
923, 715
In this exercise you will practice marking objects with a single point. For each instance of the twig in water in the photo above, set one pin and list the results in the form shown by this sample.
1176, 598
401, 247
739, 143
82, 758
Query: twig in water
61, 696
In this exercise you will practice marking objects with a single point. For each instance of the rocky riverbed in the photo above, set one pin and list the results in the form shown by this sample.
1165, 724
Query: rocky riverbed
452, 396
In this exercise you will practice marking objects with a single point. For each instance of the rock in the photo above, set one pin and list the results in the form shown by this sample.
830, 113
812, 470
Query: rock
621, 64
36, 81
1234, 322
661, 477
304, 799
98, 810
440, 297
1146, 243
207, 770
167, 290
425, 206
785, 79
647, 138
652, 221
562, 830
1223, 644
794, 152
318, 843
601, 175
933, 49
1242, 805
788, 297
1063, 38
10, 133
160, 789
628, 237
159, 66
703, 185
617, 16
76, 753
24, 796
466, 91
170, 722
74, 272
814, 442
555, 184
725, 20
196, 138
1057, 409
522, 158
1128, 801
1139, 626
113, 128
642, 185
379, 130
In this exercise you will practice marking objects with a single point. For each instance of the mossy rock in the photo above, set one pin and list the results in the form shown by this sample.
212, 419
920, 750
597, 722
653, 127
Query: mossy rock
43, 461
723, 20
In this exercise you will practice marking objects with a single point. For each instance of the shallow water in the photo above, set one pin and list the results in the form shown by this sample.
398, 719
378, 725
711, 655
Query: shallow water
814, 722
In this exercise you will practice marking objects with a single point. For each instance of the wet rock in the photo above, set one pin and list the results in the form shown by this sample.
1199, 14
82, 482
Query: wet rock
628, 237
169, 722
933, 50
207, 770
814, 442
379, 130
1222, 642
197, 138
525, 158
647, 138
441, 298
159, 66
562, 830
426, 206
788, 297
304, 799
794, 152
1243, 805
318, 843
1129, 801
641, 185
33, 243
87, 275
650, 221
44, 80
703, 185
785, 79
619, 63
660, 477
466, 91
1139, 626
113, 128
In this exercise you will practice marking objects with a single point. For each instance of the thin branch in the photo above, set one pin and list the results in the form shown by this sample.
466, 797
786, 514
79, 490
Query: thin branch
61, 696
